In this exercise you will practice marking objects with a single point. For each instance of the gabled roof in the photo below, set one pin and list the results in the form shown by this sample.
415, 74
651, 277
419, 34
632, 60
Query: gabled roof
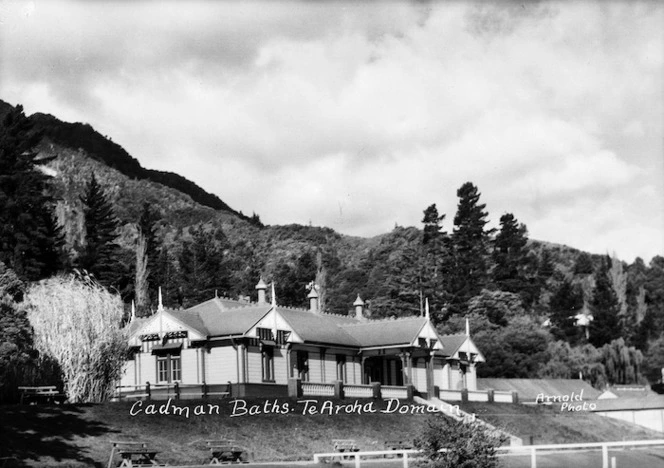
319, 328
214, 318
452, 343
385, 332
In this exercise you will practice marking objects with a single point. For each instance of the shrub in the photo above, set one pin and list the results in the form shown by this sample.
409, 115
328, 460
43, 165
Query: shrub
446, 443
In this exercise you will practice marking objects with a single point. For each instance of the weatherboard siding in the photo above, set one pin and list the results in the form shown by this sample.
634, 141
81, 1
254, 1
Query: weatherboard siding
420, 375
314, 366
190, 368
254, 365
330, 367
149, 368
128, 373
221, 365
471, 377
280, 366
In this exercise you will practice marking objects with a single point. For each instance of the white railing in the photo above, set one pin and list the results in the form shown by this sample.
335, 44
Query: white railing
503, 451
358, 391
393, 392
478, 396
454, 395
317, 389
502, 397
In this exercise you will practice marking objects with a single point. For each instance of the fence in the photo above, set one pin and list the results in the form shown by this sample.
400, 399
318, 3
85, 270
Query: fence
531, 450
174, 390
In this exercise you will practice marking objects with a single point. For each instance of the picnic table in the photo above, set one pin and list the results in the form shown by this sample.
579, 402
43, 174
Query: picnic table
43, 394
226, 451
345, 446
132, 454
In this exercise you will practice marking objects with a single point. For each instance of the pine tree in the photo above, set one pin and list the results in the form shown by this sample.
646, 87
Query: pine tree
604, 306
30, 239
146, 258
434, 258
566, 302
470, 241
509, 255
100, 253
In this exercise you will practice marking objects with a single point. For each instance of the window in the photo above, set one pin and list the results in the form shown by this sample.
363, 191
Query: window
169, 368
268, 364
264, 334
341, 367
422, 342
303, 365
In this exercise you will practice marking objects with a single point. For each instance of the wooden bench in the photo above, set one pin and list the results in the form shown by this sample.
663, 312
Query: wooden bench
398, 445
226, 451
44, 394
132, 454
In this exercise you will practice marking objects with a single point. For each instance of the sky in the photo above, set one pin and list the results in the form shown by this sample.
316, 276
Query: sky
359, 115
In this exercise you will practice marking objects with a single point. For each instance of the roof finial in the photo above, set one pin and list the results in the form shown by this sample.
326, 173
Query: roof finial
274, 296
133, 311
274, 313
426, 308
467, 327
160, 307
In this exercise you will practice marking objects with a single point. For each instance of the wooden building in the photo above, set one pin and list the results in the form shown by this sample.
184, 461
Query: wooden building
255, 349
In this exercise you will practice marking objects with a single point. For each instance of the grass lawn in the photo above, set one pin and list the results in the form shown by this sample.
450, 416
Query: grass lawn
81, 435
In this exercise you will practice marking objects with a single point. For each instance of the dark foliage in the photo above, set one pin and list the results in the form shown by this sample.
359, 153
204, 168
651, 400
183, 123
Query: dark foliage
100, 252
446, 443
30, 239
604, 307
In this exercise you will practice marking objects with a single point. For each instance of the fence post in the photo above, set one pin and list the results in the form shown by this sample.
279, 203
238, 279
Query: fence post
177, 390
147, 390
605, 456
405, 460
294, 388
533, 458
515, 397
205, 390
464, 395
490, 396
357, 460
375, 390
338, 389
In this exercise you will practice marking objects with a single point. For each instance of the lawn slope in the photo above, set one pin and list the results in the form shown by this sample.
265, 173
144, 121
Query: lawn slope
81, 435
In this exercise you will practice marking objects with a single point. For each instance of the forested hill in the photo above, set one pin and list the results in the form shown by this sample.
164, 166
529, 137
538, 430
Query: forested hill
98, 147
536, 309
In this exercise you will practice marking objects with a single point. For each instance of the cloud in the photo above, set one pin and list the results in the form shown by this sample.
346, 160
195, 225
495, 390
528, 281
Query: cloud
358, 116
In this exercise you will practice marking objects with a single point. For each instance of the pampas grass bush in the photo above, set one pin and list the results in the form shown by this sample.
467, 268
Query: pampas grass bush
78, 324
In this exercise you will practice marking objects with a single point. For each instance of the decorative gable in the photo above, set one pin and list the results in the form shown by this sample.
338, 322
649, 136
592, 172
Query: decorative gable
267, 323
163, 325
428, 338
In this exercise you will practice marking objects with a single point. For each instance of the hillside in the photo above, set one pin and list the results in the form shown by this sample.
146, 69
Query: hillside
204, 248
81, 434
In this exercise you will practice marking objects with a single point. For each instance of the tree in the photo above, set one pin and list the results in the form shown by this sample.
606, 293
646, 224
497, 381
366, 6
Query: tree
30, 238
580, 362
623, 363
510, 255
201, 266
499, 307
434, 258
565, 303
446, 443
78, 324
604, 306
470, 242
142, 273
99, 255
583, 264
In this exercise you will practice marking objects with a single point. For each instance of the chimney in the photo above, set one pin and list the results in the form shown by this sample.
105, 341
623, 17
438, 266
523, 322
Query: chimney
261, 287
359, 308
313, 300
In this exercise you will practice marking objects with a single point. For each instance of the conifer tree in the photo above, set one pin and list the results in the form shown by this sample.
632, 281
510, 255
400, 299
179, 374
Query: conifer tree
435, 253
509, 255
99, 255
566, 302
470, 241
604, 306
30, 239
